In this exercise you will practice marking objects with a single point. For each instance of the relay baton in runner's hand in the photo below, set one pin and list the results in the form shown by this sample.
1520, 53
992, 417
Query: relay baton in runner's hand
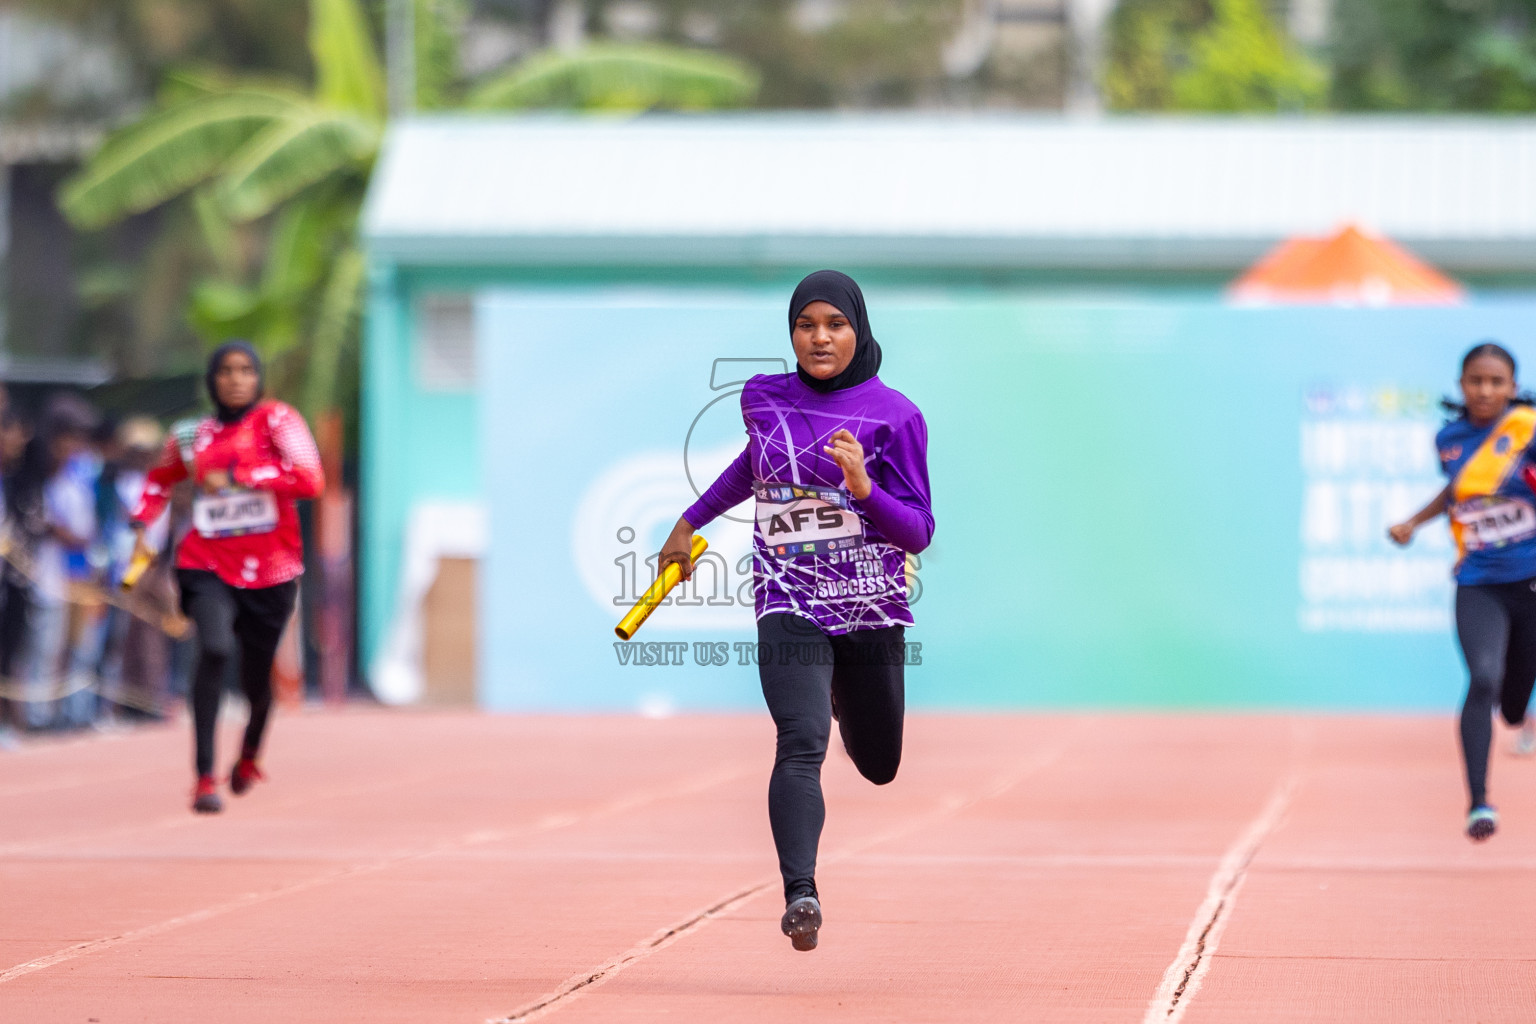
142, 556
669, 578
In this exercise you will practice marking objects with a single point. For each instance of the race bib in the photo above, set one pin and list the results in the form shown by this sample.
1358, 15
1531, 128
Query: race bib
1493, 522
796, 520
234, 513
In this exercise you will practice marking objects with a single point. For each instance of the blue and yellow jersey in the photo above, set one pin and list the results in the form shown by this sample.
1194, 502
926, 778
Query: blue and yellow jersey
1492, 511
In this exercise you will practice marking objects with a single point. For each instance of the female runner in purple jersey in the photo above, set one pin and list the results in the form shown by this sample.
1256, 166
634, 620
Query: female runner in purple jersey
838, 465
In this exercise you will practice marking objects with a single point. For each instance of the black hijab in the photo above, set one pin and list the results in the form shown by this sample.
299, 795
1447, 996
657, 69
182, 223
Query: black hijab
225, 413
841, 291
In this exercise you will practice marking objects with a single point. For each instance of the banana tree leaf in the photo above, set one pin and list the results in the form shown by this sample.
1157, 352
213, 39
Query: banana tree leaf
334, 326
304, 239
220, 310
218, 233
289, 155
166, 153
347, 68
183, 84
620, 77
280, 334
295, 258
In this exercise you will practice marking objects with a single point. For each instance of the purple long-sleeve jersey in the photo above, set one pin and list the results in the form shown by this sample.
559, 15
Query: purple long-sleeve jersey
819, 552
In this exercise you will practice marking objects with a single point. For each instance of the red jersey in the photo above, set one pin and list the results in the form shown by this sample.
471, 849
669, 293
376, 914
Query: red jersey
249, 533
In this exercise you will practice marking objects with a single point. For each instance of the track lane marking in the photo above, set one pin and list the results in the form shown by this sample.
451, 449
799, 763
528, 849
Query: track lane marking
1184, 975
582, 983
270, 806
548, 823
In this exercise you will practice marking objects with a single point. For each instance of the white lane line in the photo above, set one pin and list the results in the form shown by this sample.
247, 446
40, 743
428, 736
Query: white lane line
578, 985
1183, 977
480, 837
70, 782
575, 986
271, 805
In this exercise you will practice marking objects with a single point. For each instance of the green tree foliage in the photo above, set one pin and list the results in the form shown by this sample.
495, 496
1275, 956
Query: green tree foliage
439, 25
1148, 45
157, 36
132, 281
1434, 55
842, 53
271, 173
1224, 56
808, 53
610, 76
264, 165
1242, 62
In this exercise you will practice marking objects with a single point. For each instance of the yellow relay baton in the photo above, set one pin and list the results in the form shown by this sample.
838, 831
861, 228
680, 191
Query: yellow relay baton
142, 556
670, 577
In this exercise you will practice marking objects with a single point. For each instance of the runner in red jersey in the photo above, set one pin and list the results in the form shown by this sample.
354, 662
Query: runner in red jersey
238, 567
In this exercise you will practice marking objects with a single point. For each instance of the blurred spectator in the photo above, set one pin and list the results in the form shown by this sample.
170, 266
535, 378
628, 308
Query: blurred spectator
74, 650
51, 511
15, 432
135, 657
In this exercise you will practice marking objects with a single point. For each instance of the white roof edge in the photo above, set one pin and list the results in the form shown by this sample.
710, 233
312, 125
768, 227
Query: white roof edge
922, 189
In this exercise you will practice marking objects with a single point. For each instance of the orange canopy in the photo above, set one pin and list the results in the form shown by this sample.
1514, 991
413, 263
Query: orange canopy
1351, 268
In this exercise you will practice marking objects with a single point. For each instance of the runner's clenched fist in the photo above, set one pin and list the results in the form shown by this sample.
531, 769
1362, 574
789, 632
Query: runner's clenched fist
849, 455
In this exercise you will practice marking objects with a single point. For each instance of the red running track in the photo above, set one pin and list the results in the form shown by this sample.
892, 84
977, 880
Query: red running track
458, 867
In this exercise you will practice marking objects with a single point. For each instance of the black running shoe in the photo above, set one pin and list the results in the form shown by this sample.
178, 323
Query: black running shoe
802, 919
1482, 823
244, 775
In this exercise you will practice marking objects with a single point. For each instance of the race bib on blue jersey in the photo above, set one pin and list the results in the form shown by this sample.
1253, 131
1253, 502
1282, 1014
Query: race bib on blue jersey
796, 520
1494, 522
234, 513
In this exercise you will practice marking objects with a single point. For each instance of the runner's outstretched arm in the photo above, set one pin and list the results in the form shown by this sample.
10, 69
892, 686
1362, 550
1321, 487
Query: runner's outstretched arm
730, 489
1403, 532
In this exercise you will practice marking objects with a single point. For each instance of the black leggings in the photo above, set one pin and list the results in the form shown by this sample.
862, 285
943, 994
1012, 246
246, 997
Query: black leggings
15, 616
804, 673
227, 617
1497, 626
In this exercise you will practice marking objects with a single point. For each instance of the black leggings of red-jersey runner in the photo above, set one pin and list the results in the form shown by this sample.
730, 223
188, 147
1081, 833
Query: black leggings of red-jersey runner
1496, 623
233, 622
804, 672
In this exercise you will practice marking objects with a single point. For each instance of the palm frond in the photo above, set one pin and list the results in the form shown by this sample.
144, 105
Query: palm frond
333, 326
291, 154
620, 77
190, 82
349, 74
297, 253
219, 310
218, 233
166, 153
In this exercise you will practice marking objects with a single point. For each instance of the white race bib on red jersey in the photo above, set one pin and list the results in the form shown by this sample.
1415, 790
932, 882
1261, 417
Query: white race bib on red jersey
234, 513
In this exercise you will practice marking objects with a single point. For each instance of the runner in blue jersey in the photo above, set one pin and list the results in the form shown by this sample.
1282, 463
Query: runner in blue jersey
1486, 452
837, 464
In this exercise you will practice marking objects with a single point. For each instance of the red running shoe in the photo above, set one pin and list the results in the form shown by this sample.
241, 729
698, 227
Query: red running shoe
205, 797
244, 775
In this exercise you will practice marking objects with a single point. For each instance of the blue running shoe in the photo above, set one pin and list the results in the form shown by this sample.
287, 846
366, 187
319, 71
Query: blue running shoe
1482, 823
802, 919
1525, 742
